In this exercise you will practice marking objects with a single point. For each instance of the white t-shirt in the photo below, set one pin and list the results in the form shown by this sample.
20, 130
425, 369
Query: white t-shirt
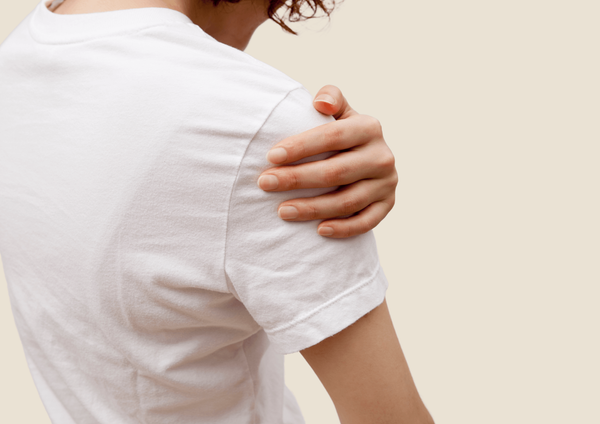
151, 280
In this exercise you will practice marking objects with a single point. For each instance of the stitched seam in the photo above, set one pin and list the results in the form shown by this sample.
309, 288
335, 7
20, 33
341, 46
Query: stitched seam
237, 175
327, 304
35, 34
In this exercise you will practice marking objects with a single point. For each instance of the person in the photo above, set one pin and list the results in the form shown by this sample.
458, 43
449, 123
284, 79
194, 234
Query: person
150, 279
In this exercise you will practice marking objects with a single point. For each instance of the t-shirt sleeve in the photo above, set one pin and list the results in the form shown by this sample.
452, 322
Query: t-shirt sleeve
300, 287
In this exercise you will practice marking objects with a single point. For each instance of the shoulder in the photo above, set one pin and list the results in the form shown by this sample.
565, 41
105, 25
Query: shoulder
194, 56
207, 84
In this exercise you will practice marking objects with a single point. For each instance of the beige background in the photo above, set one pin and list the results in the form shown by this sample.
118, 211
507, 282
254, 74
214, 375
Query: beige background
492, 109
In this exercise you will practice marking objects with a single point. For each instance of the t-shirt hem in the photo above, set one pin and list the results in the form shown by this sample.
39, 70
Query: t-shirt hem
332, 317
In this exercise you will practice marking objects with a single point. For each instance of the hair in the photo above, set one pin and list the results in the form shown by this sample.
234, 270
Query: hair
296, 10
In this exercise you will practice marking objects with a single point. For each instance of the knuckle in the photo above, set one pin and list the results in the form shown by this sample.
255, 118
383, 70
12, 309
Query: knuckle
344, 231
295, 146
298, 149
391, 201
392, 182
373, 127
350, 205
331, 137
368, 224
388, 160
332, 175
292, 180
310, 212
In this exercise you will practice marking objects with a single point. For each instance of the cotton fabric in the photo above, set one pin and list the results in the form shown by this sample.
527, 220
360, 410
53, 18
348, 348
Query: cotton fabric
150, 279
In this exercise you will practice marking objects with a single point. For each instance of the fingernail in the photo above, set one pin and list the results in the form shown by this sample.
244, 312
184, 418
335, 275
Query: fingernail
268, 182
277, 155
325, 98
325, 231
288, 212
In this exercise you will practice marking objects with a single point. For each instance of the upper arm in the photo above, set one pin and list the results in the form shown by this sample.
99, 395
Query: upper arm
298, 286
366, 375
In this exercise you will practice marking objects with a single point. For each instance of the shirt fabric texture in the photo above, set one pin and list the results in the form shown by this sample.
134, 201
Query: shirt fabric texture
151, 280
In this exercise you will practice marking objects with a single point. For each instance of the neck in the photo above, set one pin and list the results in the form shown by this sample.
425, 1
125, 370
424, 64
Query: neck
229, 23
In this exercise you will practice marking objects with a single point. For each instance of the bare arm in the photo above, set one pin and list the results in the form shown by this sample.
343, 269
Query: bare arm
366, 375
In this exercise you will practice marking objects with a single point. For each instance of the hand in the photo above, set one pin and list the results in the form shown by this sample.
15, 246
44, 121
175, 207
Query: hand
364, 169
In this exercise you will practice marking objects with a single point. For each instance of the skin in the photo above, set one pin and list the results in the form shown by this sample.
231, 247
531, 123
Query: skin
362, 367
366, 375
365, 167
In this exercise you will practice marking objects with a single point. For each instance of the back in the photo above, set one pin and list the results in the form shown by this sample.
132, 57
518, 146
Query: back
150, 279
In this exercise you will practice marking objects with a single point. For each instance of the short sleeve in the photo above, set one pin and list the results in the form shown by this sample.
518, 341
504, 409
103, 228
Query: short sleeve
299, 287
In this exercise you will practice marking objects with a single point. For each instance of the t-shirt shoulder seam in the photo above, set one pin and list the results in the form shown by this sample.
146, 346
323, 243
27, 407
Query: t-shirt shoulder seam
237, 174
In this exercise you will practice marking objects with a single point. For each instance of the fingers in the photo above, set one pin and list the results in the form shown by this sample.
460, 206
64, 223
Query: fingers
330, 101
364, 166
361, 223
340, 169
334, 136
342, 202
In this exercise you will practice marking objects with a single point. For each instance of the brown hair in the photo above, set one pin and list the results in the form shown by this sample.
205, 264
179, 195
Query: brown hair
296, 10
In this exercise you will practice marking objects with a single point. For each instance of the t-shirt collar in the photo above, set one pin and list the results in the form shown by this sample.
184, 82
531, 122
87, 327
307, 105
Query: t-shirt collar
48, 27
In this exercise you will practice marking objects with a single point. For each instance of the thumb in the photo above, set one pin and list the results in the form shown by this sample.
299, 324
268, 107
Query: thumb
330, 101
